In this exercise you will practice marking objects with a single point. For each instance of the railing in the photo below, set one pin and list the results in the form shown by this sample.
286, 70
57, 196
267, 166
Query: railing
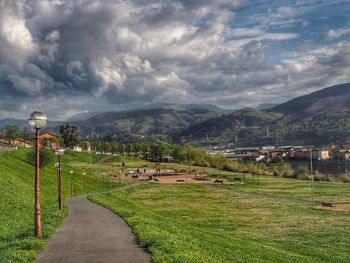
7, 149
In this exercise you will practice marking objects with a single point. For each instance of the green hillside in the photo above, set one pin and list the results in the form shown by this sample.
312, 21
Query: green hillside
247, 124
17, 243
319, 118
130, 125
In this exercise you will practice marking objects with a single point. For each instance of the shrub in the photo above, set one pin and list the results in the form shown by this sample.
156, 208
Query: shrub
301, 173
275, 173
287, 175
321, 177
344, 178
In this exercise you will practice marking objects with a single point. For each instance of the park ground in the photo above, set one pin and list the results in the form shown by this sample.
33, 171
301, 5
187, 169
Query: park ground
179, 222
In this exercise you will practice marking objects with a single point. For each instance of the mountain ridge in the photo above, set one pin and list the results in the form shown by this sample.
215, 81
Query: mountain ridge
321, 117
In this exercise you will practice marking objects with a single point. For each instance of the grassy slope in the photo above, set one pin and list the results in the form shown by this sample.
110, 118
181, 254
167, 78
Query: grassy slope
188, 223
324, 191
17, 243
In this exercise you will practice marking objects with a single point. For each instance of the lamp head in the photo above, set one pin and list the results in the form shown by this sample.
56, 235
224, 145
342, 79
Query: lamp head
59, 152
37, 120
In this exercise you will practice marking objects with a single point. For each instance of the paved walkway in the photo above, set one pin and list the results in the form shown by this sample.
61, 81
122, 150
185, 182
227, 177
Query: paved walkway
91, 233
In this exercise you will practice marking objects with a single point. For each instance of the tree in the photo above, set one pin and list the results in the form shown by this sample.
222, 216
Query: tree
45, 157
70, 135
12, 132
114, 146
96, 143
106, 147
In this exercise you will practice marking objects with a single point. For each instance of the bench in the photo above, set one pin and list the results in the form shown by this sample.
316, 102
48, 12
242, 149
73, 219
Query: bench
180, 180
201, 179
218, 181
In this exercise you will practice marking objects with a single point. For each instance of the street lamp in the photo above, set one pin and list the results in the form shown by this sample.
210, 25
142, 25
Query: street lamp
71, 182
103, 181
59, 152
37, 120
84, 182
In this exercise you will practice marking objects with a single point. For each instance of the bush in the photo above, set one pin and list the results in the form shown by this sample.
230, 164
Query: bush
321, 177
301, 173
275, 173
288, 175
45, 157
344, 178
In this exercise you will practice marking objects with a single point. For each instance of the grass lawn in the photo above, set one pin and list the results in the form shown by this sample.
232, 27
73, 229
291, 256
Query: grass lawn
189, 223
17, 243
324, 191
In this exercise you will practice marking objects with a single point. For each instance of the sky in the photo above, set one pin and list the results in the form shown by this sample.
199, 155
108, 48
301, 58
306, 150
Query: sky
64, 57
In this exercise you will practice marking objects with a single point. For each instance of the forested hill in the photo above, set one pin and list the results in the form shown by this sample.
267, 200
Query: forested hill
322, 117
331, 100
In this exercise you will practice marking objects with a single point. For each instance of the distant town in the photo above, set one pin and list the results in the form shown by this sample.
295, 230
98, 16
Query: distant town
257, 154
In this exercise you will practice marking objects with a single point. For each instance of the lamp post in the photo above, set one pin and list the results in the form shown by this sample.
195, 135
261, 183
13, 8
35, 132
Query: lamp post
37, 120
59, 152
84, 182
71, 182
103, 181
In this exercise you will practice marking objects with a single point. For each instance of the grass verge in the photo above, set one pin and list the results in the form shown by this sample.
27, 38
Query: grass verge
189, 223
17, 243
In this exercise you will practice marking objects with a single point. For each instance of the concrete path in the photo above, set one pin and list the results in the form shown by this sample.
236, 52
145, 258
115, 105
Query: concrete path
91, 233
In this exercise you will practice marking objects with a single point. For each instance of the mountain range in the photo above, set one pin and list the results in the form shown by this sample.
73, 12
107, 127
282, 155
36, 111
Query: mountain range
322, 117
145, 123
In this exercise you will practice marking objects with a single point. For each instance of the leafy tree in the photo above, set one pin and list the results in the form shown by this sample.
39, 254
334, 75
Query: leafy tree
96, 143
106, 146
70, 135
12, 132
219, 161
159, 151
114, 146
45, 157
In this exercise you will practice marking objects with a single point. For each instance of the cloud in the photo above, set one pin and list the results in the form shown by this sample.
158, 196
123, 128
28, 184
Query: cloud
111, 55
332, 34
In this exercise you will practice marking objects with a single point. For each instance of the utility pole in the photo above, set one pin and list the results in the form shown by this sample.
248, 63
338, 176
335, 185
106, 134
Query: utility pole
267, 131
186, 157
312, 179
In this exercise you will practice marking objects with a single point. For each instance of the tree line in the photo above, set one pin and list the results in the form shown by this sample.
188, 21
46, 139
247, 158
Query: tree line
157, 151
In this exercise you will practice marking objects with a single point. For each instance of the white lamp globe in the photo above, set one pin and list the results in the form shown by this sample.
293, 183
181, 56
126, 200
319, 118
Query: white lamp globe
60, 151
37, 120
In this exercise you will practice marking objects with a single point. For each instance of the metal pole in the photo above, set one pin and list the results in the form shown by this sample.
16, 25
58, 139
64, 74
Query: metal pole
59, 183
37, 214
71, 183
84, 182
312, 179
103, 183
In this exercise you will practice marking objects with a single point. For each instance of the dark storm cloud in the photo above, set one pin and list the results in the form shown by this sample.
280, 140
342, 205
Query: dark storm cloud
68, 56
